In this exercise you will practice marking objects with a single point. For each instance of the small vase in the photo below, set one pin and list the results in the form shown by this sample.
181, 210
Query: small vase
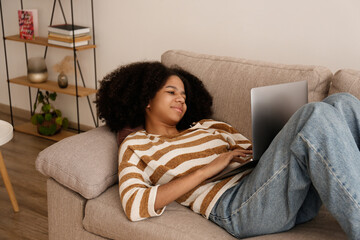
37, 70
62, 80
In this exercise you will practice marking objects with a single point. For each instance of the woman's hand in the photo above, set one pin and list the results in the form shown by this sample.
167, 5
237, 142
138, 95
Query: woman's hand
223, 160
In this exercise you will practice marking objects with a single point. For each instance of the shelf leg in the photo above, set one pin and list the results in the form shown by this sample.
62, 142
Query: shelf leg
94, 51
75, 71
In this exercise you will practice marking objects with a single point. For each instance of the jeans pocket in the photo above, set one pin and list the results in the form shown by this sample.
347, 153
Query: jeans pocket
224, 223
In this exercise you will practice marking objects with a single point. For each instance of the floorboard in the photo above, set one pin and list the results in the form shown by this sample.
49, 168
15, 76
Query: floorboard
29, 186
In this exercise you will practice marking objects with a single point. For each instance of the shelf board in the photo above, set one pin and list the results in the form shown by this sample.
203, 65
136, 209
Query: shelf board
44, 42
52, 86
29, 128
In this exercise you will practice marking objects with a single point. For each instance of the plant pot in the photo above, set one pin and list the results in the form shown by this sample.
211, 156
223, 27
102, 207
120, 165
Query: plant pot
49, 127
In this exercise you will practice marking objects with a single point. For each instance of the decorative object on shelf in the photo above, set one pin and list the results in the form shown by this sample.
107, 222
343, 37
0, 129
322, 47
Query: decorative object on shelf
68, 44
49, 121
37, 70
63, 68
67, 29
28, 24
62, 80
68, 38
62, 35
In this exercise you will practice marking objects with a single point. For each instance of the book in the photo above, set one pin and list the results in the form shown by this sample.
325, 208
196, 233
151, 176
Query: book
234, 168
68, 39
66, 29
68, 44
28, 24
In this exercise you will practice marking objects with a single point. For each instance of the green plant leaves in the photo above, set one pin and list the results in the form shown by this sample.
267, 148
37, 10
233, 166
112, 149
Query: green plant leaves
53, 96
65, 123
39, 118
46, 108
48, 131
46, 125
41, 97
48, 116
44, 99
59, 121
58, 112
34, 119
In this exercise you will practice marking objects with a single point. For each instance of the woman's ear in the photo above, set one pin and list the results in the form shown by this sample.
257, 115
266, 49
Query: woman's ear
148, 106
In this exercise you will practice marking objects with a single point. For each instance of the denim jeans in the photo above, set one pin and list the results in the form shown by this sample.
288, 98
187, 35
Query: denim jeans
314, 159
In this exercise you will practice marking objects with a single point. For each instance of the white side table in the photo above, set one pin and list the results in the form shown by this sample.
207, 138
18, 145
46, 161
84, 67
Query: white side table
6, 134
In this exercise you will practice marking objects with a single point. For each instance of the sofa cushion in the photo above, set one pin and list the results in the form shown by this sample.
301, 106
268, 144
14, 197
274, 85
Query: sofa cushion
346, 80
229, 81
85, 163
123, 133
105, 217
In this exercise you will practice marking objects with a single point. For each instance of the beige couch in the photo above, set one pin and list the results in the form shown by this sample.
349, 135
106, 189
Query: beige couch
82, 190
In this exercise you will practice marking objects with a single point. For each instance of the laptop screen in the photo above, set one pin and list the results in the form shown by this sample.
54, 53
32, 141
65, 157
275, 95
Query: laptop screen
271, 107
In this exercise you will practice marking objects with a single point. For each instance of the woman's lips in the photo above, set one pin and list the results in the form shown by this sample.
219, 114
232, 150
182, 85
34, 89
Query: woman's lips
178, 109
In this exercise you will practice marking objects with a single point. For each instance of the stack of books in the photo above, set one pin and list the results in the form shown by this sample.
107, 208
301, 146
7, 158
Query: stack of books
62, 35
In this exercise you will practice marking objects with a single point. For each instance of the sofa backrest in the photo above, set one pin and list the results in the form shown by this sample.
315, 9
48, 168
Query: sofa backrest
230, 80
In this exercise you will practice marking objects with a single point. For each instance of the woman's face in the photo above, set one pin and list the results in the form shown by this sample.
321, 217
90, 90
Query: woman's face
168, 105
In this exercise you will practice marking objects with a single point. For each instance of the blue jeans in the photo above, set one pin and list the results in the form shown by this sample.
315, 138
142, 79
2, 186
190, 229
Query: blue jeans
314, 159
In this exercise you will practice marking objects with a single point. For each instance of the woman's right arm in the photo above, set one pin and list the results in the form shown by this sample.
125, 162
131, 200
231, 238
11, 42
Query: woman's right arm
174, 189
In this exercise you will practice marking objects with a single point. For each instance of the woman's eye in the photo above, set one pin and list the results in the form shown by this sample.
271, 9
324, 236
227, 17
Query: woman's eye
171, 92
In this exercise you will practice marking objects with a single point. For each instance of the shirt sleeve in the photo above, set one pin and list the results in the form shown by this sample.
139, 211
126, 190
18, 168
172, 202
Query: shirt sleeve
232, 136
137, 194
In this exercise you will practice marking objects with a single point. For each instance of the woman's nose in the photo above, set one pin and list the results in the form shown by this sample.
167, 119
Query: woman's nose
180, 99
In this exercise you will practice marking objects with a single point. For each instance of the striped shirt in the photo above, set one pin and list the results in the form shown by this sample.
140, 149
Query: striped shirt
147, 161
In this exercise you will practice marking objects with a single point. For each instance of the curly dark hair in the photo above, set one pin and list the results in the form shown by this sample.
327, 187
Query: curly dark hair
124, 94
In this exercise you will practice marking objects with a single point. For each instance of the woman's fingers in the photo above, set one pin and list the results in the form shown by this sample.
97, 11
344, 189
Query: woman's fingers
241, 155
242, 152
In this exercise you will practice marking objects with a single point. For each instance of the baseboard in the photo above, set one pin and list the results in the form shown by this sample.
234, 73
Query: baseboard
25, 115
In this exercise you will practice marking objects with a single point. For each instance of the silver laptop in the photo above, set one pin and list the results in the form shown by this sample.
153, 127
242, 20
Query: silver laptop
271, 108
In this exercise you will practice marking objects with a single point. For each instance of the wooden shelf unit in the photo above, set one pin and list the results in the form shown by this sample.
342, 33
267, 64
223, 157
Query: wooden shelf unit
43, 41
30, 128
52, 86
49, 85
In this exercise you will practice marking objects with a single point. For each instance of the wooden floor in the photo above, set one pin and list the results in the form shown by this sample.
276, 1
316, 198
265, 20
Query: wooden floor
29, 186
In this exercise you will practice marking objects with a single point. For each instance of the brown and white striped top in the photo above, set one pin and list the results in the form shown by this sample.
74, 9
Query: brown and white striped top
147, 161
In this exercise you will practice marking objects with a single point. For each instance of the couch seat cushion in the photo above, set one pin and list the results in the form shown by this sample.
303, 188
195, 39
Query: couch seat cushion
105, 217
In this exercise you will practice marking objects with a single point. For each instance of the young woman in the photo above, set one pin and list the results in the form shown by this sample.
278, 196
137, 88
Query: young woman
313, 160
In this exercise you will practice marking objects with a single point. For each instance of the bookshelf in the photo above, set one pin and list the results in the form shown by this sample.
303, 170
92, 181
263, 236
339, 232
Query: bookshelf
29, 128
43, 41
52, 86
75, 90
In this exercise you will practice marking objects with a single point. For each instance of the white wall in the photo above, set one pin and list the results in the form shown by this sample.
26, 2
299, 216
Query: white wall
322, 32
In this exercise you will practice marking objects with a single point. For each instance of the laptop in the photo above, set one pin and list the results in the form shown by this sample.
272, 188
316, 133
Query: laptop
271, 108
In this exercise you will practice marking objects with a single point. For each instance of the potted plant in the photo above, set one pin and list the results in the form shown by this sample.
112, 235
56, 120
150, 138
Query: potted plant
49, 121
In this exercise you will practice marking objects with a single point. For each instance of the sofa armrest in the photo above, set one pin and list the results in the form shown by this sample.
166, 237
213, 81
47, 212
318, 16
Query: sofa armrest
66, 213
346, 80
86, 163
